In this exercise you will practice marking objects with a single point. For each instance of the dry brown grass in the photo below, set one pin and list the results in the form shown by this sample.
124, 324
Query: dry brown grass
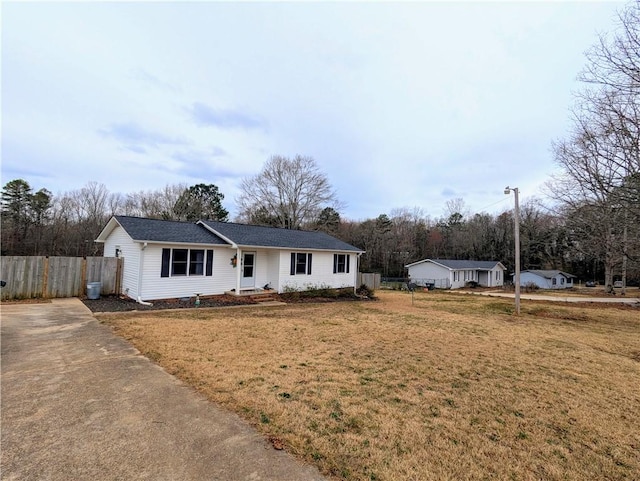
447, 388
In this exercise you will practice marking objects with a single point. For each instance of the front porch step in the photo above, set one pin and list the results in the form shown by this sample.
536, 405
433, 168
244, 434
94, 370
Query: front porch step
260, 298
257, 295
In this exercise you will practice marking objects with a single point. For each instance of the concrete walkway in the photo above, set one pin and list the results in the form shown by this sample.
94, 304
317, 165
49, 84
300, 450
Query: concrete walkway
541, 297
80, 403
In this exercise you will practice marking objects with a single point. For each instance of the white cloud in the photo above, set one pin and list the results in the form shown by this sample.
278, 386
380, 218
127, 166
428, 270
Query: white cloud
400, 103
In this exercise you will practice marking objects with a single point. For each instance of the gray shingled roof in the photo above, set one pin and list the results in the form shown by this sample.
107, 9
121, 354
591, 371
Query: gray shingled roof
458, 264
155, 230
261, 236
549, 274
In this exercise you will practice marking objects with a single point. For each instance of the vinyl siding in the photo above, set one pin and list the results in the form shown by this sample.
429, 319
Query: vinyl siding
498, 282
156, 287
130, 252
267, 267
321, 272
430, 271
543, 282
273, 270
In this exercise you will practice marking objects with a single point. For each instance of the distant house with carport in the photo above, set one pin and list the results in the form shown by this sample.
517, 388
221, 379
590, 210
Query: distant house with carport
547, 279
454, 273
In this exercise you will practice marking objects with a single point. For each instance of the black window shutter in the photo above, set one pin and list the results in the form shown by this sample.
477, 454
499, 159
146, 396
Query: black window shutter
309, 264
166, 258
335, 263
293, 264
209, 268
347, 256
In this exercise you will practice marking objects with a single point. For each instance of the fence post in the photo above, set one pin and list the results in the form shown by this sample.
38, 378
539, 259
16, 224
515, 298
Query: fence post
83, 276
45, 277
119, 268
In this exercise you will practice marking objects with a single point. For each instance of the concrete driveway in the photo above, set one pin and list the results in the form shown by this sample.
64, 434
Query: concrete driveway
80, 403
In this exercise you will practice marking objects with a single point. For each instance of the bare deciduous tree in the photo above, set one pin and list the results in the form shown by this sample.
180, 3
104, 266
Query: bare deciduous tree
155, 204
292, 191
601, 157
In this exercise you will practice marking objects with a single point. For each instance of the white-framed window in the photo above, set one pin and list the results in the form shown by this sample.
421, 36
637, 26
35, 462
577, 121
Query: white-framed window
341, 263
456, 276
300, 263
196, 262
186, 262
554, 281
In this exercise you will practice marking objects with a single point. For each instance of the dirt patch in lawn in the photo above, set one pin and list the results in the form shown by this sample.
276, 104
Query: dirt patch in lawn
429, 386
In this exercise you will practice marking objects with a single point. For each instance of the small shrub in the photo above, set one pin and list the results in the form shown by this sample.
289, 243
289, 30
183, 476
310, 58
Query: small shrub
530, 287
472, 284
365, 291
313, 291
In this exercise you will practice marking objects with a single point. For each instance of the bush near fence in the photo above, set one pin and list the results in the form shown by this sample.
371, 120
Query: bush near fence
30, 277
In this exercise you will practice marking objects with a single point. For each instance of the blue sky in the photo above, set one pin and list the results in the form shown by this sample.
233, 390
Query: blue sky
401, 104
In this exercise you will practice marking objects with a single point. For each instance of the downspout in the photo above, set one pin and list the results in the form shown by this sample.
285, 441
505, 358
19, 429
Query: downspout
140, 270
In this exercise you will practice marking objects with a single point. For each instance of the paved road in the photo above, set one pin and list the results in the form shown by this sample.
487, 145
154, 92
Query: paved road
79, 403
541, 297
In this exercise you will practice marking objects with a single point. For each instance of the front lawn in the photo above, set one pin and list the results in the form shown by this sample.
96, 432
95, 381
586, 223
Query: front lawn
429, 386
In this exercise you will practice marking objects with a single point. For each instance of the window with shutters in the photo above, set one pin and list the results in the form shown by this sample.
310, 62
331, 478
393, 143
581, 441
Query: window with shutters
300, 263
340, 263
186, 262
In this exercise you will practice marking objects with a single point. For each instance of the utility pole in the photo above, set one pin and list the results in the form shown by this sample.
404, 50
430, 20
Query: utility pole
516, 228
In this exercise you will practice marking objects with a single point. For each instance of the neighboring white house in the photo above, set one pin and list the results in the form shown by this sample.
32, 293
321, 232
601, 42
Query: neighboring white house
169, 259
453, 274
547, 279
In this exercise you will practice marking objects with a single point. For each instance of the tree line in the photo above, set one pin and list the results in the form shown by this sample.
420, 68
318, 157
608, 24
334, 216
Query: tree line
590, 225
39, 223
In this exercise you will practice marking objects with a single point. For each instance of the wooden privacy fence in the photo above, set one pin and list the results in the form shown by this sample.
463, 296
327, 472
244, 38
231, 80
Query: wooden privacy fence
371, 280
46, 277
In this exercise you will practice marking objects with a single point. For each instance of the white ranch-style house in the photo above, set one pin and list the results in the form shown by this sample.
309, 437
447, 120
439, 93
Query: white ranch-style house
547, 279
169, 259
454, 274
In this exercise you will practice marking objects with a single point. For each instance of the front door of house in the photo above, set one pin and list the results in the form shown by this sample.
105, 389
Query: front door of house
248, 270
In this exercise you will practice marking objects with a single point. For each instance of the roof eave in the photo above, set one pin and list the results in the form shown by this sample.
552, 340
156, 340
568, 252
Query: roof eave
108, 229
185, 243
318, 249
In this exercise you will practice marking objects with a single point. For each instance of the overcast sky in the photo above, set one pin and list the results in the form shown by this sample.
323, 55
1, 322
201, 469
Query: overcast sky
401, 104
